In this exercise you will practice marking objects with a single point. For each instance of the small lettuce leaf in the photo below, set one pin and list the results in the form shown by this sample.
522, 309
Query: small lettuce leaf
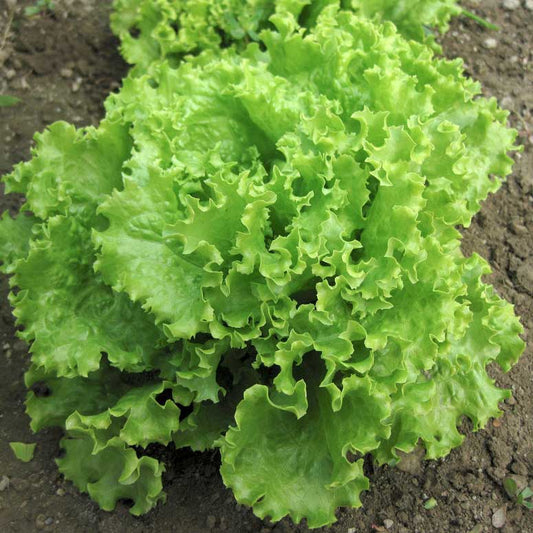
23, 452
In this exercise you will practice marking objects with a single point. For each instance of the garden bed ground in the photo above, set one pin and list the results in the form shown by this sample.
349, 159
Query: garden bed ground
61, 65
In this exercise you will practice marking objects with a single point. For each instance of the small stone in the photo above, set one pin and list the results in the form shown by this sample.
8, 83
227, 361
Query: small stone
411, 462
507, 102
351, 530
40, 521
499, 517
211, 521
518, 229
388, 523
4, 483
529, 5
490, 43
10, 73
66, 72
510, 401
511, 5
77, 84
519, 468
60, 492
49, 521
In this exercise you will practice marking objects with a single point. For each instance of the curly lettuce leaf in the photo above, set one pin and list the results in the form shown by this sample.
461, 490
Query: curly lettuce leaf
72, 170
137, 418
70, 317
15, 236
111, 474
280, 462
51, 399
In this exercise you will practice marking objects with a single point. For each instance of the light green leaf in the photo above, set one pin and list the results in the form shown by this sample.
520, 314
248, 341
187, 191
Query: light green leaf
69, 314
112, 473
15, 236
8, 101
24, 452
283, 464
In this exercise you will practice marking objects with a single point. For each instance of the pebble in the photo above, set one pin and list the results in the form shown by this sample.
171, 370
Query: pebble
66, 72
351, 530
518, 229
60, 492
507, 102
77, 84
40, 521
510, 401
490, 43
388, 523
499, 517
411, 462
529, 5
4, 483
511, 5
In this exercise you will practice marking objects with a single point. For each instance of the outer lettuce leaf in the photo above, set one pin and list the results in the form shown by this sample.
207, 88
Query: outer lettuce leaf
72, 170
282, 464
51, 400
112, 473
137, 418
15, 235
69, 314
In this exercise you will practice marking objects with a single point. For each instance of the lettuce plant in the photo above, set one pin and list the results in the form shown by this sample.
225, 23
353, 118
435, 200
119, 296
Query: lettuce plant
257, 252
149, 30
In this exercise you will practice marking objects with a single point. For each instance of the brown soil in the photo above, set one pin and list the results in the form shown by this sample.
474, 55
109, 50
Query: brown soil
61, 65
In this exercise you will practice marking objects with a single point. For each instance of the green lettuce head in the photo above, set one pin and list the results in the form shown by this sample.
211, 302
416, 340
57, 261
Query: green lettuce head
153, 29
267, 239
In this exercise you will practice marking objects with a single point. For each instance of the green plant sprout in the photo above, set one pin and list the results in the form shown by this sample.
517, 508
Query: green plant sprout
40, 6
521, 495
481, 21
